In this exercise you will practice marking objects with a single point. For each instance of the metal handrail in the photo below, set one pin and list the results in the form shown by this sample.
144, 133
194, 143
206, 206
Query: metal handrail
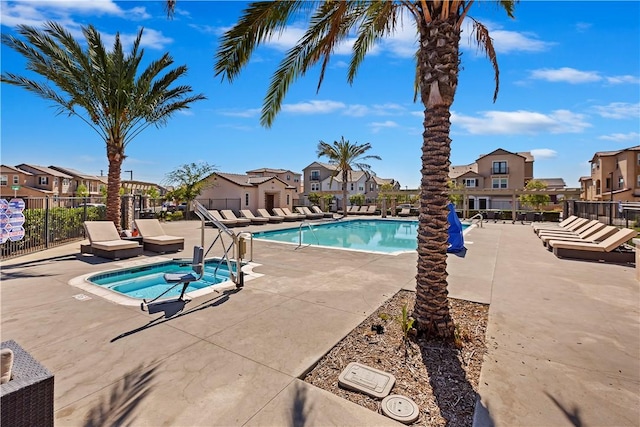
477, 216
303, 223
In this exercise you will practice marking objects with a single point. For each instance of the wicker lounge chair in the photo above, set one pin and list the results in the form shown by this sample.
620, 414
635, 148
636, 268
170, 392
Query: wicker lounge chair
228, 214
286, 216
225, 222
316, 209
104, 241
155, 239
303, 210
371, 210
246, 213
611, 249
272, 218
27, 399
288, 212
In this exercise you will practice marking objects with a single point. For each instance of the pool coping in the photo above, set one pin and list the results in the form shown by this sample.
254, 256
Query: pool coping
81, 282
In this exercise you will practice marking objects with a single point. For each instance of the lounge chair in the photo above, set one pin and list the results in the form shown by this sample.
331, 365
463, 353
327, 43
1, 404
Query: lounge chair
155, 239
371, 210
598, 236
561, 224
104, 241
353, 209
609, 250
272, 218
583, 227
287, 211
224, 221
573, 226
246, 213
228, 214
405, 212
303, 210
287, 214
317, 210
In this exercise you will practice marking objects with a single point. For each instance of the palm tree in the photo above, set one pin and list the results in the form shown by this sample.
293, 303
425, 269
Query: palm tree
438, 28
345, 156
103, 88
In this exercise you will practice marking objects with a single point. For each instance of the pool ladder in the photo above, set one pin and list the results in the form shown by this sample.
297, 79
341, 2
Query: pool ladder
300, 234
478, 217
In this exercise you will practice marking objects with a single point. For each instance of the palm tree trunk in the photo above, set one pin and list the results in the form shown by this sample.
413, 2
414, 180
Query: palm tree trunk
345, 176
116, 157
438, 62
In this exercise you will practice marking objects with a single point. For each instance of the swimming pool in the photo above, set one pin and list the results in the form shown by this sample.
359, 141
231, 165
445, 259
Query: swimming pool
372, 235
128, 286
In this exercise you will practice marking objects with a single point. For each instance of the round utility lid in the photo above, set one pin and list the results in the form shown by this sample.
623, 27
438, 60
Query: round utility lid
400, 408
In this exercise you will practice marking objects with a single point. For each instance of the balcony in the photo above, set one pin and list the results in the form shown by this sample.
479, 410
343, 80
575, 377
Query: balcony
500, 171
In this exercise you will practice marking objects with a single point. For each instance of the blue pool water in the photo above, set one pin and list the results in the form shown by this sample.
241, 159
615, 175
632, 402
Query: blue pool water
147, 281
386, 236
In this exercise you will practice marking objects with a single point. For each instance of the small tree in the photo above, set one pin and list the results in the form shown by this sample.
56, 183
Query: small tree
314, 198
456, 199
82, 191
328, 199
357, 199
190, 179
535, 200
153, 194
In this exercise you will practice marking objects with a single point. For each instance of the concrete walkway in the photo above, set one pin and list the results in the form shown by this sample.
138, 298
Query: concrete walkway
562, 335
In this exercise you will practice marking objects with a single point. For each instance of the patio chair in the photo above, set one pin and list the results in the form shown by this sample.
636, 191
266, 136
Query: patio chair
612, 249
353, 209
317, 210
572, 226
154, 238
561, 224
272, 218
598, 236
371, 210
105, 242
562, 232
287, 211
303, 210
246, 213
27, 398
224, 221
287, 216
228, 214
405, 212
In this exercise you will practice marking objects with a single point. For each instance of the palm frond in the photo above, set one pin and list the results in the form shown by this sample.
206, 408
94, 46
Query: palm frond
485, 44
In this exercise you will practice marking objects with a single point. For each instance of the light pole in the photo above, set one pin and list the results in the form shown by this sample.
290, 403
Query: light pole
611, 199
130, 179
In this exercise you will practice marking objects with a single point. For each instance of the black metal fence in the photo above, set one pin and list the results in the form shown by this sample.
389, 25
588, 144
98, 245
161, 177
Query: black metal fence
219, 204
624, 214
52, 222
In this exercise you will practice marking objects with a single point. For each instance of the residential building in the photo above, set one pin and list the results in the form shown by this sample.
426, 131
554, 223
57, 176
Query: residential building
40, 181
319, 178
237, 191
490, 175
615, 175
285, 175
93, 184
553, 184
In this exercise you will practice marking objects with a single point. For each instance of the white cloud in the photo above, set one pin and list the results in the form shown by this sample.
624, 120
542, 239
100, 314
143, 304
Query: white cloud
565, 74
377, 126
521, 122
582, 27
621, 137
543, 153
152, 39
627, 79
504, 41
619, 110
313, 107
251, 112
359, 110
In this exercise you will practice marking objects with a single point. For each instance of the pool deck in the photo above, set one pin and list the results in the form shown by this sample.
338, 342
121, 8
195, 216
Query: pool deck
563, 336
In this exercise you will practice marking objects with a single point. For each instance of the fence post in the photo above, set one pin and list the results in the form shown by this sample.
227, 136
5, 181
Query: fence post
46, 222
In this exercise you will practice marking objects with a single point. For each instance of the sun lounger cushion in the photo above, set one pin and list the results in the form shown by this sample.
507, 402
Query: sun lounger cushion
163, 240
101, 231
111, 245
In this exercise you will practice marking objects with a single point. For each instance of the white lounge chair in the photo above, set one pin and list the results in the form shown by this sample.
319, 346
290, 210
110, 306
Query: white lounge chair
316, 209
246, 213
272, 218
104, 241
228, 214
155, 239
596, 237
303, 210
226, 222
609, 250
287, 217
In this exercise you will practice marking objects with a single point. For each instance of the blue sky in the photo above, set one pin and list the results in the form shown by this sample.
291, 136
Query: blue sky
569, 86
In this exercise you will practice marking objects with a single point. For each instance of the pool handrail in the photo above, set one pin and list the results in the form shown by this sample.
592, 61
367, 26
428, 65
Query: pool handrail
477, 216
308, 224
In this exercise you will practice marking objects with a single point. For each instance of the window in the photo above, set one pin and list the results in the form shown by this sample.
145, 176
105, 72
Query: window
499, 183
360, 188
352, 186
608, 183
55, 181
638, 181
372, 186
43, 180
315, 176
315, 186
65, 181
4, 179
295, 180
288, 177
620, 182
470, 182
499, 167
287, 200
594, 164
246, 199
16, 180
639, 158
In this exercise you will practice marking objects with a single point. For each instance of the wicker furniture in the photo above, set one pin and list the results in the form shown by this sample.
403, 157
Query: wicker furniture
26, 400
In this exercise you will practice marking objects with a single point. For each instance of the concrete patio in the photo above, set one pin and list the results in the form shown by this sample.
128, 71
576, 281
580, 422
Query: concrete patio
563, 336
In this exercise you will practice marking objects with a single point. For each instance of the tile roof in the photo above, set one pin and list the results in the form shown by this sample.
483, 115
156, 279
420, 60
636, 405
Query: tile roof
44, 170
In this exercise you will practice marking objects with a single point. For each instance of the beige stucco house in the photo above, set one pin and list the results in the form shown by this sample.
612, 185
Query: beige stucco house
237, 191
615, 175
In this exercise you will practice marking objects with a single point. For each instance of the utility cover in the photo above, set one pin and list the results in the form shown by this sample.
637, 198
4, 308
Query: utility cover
365, 379
400, 408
